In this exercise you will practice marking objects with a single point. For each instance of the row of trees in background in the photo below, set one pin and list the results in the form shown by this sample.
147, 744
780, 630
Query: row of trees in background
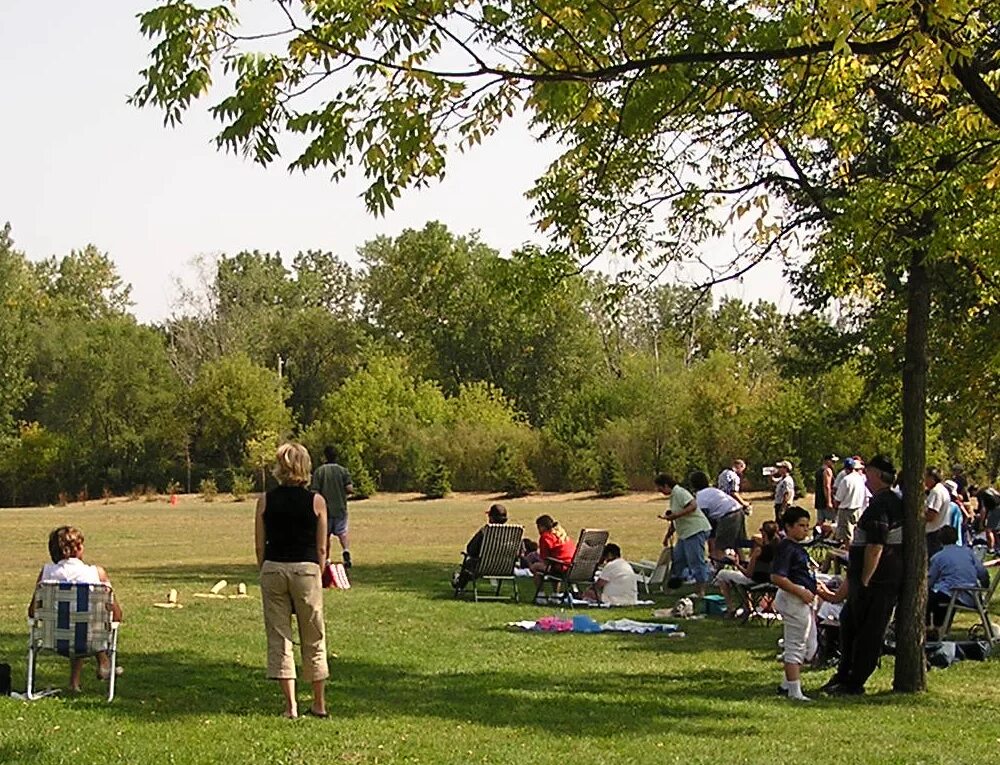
437, 360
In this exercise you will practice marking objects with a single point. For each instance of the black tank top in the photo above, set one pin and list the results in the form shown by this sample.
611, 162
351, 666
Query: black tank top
290, 525
762, 568
822, 500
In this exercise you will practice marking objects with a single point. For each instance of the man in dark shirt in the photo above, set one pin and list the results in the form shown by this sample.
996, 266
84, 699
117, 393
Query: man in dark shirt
874, 577
333, 482
496, 514
824, 490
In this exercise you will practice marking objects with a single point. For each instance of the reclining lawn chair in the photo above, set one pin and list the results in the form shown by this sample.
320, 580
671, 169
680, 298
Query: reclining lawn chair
582, 569
981, 596
497, 557
72, 620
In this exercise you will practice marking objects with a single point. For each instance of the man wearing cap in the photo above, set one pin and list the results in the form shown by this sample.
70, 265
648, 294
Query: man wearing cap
936, 509
850, 499
784, 489
729, 481
874, 578
824, 489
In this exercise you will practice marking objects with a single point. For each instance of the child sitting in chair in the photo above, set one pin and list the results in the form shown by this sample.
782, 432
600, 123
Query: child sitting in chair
66, 551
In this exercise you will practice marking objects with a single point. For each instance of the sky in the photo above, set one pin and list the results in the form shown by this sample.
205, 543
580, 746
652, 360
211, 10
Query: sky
80, 166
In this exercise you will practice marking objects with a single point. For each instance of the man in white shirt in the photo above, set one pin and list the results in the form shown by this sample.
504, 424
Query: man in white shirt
935, 508
784, 489
724, 513
851, 499
617, 584
730, 479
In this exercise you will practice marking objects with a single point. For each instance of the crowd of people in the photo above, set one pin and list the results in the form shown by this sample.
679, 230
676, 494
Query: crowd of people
860, 508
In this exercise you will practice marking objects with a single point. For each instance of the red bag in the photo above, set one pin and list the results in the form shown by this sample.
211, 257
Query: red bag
335, 577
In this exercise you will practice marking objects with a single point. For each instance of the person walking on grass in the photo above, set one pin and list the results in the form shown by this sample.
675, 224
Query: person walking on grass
290, 538
692, 528
824, 490
796, 599
333, 482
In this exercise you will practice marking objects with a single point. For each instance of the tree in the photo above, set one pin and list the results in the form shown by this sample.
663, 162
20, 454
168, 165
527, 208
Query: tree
234, 404
84, 285
20, 297
675, 123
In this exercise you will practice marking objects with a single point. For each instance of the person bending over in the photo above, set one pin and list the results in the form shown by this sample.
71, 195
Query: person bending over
756, 571
66, 552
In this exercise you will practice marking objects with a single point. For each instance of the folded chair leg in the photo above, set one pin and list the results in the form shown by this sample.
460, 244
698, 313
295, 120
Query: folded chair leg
113, 657
517, 599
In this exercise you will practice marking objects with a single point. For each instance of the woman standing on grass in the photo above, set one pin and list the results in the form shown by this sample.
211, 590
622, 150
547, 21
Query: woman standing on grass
290, 539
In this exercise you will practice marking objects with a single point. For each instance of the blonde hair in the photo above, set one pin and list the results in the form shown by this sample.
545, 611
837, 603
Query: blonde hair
293, 465
65, 542
548, 523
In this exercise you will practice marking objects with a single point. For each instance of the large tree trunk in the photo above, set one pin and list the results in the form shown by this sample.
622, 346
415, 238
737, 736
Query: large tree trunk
911, 674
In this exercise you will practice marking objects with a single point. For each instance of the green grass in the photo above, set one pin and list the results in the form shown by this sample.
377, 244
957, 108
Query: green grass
420, 677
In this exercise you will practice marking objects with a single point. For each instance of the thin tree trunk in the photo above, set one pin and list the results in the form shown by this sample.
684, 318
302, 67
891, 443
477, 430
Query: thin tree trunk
911, 674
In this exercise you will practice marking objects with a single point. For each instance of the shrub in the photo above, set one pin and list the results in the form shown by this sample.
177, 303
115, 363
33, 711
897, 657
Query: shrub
511, 473
106, 495
436, 482
83, 495
135, 492
173, 487
361, 479
63, 499
242, 486
208, 489
150, 494
611, 480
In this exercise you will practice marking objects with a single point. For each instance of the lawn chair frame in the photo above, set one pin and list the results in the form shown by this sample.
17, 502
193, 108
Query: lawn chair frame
497, 558
72, 620
582, 569
982, 597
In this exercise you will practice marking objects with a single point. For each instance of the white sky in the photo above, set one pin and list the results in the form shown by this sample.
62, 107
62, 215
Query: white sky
79, 166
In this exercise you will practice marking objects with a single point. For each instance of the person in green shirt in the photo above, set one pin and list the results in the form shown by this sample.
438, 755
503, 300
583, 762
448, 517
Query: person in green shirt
692, 529
333, 482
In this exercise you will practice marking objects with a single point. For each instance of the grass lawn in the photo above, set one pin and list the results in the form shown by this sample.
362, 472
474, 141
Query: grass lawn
420, 677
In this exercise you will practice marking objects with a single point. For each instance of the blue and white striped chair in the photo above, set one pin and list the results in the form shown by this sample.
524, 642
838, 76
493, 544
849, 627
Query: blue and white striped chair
72, 620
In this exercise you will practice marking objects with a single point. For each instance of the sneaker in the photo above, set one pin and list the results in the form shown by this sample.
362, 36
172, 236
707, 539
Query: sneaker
541, 600
782, 690
845, 690
105, 674
347, 558
830, 684
801, 697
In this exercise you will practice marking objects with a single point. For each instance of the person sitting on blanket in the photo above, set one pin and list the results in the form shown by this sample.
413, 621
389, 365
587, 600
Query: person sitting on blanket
617, 584
756, 571
555, 549
496, 514
528, 553
66, 552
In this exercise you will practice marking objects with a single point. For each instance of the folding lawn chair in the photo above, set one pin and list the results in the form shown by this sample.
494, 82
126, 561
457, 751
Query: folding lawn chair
497, 556
72, 620
981, 596
582, 569
758, 603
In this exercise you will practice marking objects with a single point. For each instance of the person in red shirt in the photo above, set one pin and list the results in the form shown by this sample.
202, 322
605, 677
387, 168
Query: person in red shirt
555, 548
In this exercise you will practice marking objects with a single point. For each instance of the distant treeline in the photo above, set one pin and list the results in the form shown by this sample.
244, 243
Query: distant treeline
436, 361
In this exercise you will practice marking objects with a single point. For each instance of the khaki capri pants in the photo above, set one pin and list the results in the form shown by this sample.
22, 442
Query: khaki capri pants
288, 588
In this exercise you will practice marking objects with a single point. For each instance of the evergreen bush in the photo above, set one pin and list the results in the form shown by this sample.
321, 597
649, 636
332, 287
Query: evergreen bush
611, 481
436, 482
208, 489
511, 473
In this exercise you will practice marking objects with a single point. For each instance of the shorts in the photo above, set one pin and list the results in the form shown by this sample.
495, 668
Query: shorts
993, 520
847, 519
336, 524
731, 532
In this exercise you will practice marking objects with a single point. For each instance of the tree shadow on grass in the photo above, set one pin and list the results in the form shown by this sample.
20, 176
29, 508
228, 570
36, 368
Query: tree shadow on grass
162, 686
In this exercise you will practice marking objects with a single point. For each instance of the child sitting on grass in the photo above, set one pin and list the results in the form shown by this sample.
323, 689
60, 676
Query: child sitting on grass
796, 598
66, 551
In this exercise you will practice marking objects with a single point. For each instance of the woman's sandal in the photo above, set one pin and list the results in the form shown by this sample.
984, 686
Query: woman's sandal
320, 715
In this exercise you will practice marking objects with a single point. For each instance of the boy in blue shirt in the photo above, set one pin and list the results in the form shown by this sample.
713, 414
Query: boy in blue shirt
797, 592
